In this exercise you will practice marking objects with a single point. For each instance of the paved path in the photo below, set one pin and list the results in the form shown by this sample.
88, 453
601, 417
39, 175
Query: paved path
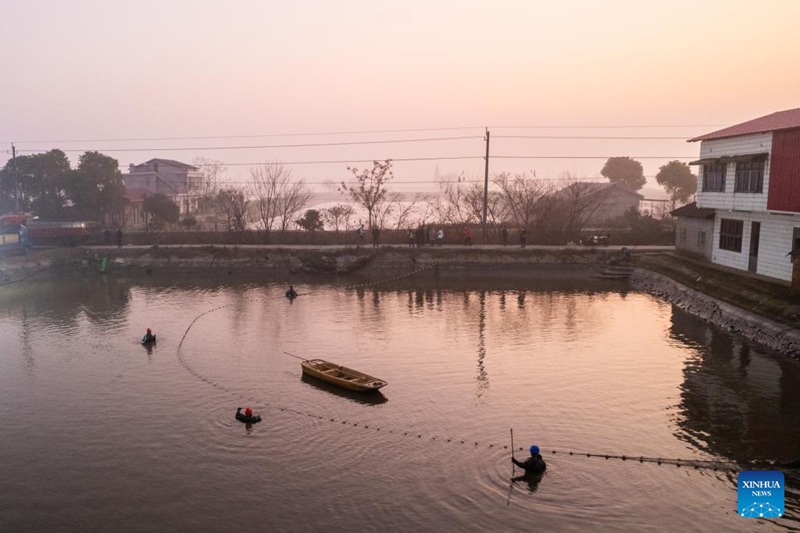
320, 247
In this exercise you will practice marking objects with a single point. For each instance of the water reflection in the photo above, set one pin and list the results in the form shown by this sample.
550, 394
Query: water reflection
104, 302
576, 367
531, 480
365, 398
482, 378
149, 346
735, 402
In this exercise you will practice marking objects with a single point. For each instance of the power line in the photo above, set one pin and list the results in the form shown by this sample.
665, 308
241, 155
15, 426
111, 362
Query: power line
357, 132
587, 137
254, 136
444, 158
347, 161
612, 127
404, 182
589, 157
267, 146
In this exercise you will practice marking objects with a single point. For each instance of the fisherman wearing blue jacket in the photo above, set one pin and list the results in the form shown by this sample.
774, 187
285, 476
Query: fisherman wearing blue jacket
533, 464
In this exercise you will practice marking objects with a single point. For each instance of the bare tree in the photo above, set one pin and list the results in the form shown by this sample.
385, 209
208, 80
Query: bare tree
370, 189
461, 202
384, 210
294, 197
276, 195
521, 196
402, 211
233, 204
206, 189
577, 204
338, 215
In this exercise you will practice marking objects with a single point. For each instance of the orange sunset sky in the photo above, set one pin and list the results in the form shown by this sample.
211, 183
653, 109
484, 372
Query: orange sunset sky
108, 73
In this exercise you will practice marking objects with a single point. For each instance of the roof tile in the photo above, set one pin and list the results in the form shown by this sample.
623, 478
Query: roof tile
781, 120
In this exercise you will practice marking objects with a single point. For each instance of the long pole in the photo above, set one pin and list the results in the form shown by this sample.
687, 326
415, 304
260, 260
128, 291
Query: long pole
512, 449
486, 187
296, 356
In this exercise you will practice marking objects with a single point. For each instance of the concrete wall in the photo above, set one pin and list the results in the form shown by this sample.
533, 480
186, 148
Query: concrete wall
692, 244
774, 243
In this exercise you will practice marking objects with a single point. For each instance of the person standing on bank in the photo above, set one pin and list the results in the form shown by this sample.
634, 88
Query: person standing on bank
361, 234
119, 238
440, 237
376, 235
467, 236
522, 236
504, 235
533, 464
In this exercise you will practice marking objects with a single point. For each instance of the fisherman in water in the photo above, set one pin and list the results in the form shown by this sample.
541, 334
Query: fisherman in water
148, 337
291, 293
533, 464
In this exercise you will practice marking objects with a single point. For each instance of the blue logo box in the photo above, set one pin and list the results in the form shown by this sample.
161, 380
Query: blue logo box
761, 494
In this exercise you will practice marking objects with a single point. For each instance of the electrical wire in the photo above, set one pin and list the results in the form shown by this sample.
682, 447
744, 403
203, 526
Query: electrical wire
612, 127
589, 137
347, 161
356, 132
589, 157
268, 146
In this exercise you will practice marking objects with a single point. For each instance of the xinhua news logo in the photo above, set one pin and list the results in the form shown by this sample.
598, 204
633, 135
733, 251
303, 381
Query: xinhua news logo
761, 494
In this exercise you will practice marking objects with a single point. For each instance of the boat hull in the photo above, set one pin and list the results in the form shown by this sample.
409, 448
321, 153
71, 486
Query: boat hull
341, 376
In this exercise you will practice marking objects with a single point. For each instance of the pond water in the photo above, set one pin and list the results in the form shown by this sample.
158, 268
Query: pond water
99, 433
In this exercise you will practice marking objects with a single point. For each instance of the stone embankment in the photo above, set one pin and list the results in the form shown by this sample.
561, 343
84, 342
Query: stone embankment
772, 334
256, 260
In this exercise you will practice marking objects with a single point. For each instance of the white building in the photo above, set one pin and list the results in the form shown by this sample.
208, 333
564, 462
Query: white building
750, 176
174, 179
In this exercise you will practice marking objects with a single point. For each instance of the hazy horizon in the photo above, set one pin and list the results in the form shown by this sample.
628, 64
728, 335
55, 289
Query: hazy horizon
128, 75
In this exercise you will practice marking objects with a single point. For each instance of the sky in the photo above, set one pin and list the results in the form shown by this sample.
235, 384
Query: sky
244, 74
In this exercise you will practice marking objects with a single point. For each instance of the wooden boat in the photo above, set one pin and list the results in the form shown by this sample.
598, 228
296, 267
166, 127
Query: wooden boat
341, 376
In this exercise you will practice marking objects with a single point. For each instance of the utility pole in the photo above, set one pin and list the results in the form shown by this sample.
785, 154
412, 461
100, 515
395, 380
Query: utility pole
486, 187
16, 179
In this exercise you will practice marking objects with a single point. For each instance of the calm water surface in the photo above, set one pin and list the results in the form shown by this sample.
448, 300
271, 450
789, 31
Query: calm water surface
99, 433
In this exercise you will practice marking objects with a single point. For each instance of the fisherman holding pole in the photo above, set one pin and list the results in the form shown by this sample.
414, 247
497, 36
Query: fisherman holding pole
533, 464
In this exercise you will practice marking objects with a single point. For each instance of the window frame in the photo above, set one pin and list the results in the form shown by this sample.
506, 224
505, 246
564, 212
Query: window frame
750, 177
731, 233
701, 239
714, 177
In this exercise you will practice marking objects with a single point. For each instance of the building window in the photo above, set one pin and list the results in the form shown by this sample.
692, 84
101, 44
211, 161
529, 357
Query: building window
701, 239
749, 176
730, 234
714, 177
682, 236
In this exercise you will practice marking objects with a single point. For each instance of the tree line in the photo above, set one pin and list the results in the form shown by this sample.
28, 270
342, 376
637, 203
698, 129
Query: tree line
558, 210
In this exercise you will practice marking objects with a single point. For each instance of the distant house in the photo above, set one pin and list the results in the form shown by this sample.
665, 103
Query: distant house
750, 176
695, 226
133, 215
174, 179
598, 203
